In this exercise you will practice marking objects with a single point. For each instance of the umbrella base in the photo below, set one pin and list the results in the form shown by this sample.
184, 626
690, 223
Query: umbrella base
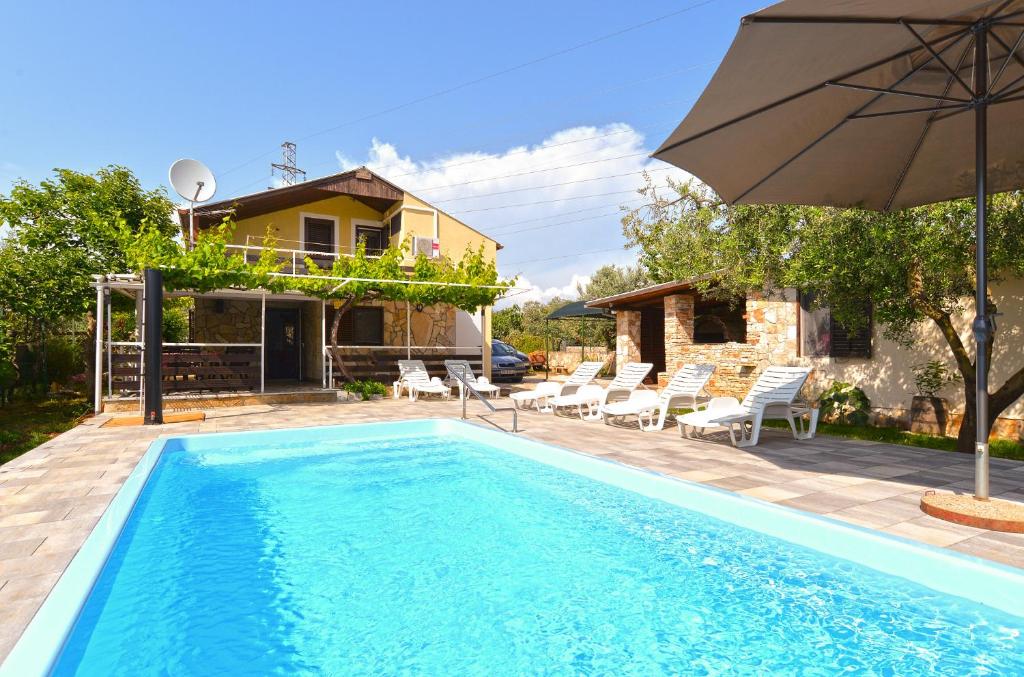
994, 514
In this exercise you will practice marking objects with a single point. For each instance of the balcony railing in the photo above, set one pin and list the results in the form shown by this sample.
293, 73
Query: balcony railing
294, 260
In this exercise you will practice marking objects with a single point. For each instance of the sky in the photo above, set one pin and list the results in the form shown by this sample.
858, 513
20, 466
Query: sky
531, 122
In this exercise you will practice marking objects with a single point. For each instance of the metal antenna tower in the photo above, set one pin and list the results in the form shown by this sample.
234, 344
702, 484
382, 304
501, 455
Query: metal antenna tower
289, 173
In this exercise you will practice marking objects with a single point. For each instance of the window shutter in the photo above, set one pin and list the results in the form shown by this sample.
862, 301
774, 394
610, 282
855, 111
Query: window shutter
396, 224
855, 343
823, 336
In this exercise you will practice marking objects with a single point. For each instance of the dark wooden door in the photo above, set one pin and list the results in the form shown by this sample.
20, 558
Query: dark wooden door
652, 340
283, 344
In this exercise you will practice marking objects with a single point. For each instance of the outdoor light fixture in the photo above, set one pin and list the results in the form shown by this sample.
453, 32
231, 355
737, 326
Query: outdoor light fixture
419, 307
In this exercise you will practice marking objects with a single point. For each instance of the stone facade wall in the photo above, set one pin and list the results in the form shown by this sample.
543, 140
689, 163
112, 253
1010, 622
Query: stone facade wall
571, 357
771, 340
432, 326
239, 322
627, 337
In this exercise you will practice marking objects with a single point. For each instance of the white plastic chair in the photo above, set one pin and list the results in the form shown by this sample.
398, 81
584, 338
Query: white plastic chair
539, 396
771, 397
462, 368
414, 377
624, 383
684, 390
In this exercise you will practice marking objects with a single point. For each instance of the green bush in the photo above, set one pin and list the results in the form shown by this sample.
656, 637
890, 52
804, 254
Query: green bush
366, 388
844, 403
524, 342
64, 359
175, 325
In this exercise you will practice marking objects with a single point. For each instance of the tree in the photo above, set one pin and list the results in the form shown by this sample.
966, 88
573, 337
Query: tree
914, 266
468, 284
609, 280
62, 232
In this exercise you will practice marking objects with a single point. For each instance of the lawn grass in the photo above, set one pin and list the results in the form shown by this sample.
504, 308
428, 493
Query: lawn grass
25, 424
997, 448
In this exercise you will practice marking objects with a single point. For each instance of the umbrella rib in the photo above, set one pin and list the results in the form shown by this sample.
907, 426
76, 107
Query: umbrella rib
907, 111
924, 132
903, 78
876, 20
1011, 88
901, 92
937, 57
1012, 54
957, 35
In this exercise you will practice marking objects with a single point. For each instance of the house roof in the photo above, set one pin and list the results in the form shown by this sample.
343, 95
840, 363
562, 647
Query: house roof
360, 184
647, 295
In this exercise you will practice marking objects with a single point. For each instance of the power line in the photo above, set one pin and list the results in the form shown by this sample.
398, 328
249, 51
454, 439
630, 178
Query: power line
555, 216
544, 202
565, 256
558, 223
593, 94
554, 185
487, 77
533, 171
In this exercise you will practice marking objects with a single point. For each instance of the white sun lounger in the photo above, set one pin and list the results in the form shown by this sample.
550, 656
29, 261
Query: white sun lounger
462, 368
771, 397
624, 383
684, 390
414, 377
539, 396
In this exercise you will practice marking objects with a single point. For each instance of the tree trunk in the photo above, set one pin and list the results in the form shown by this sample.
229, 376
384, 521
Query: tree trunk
965, 438
335, 350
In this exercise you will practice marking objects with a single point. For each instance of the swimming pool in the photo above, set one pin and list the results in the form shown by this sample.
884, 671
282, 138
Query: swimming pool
436, 547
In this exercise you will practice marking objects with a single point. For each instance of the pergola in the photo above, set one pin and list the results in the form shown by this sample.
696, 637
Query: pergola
574, 310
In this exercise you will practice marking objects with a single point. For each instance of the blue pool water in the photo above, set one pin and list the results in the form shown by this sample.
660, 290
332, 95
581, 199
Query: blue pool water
438, 555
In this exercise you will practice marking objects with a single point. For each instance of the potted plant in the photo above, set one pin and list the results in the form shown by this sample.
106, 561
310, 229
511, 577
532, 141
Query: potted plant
369, 389
353, 391
929, 413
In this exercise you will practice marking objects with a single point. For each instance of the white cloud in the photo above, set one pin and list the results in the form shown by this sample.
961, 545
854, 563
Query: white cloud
545, 202
528, 291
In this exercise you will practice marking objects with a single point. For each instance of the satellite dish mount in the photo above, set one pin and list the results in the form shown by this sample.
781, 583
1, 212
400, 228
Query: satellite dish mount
193, 181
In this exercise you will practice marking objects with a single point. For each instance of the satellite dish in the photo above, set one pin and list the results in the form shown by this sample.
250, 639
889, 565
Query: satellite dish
192, 180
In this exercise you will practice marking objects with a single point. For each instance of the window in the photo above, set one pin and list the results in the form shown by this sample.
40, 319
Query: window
319, 234
376, 239
822, 336
362, 326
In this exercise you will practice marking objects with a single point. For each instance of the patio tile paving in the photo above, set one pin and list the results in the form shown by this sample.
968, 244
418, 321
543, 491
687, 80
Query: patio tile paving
52, 497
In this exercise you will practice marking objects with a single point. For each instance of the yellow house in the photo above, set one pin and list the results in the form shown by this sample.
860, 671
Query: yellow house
324, 219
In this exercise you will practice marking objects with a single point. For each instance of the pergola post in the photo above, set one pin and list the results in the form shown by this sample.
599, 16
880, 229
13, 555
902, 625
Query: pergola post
263, 340
110, 343
98, 360
153, 410
323, 344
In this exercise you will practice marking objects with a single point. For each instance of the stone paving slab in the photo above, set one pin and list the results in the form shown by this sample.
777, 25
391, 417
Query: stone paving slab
52, 497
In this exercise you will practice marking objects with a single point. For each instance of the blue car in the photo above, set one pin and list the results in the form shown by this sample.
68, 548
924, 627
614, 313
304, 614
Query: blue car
507, 363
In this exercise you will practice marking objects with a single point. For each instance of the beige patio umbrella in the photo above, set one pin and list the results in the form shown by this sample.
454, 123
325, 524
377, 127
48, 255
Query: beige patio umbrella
882, 104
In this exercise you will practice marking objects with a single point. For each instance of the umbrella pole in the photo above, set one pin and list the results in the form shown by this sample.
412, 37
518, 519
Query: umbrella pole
982, 327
